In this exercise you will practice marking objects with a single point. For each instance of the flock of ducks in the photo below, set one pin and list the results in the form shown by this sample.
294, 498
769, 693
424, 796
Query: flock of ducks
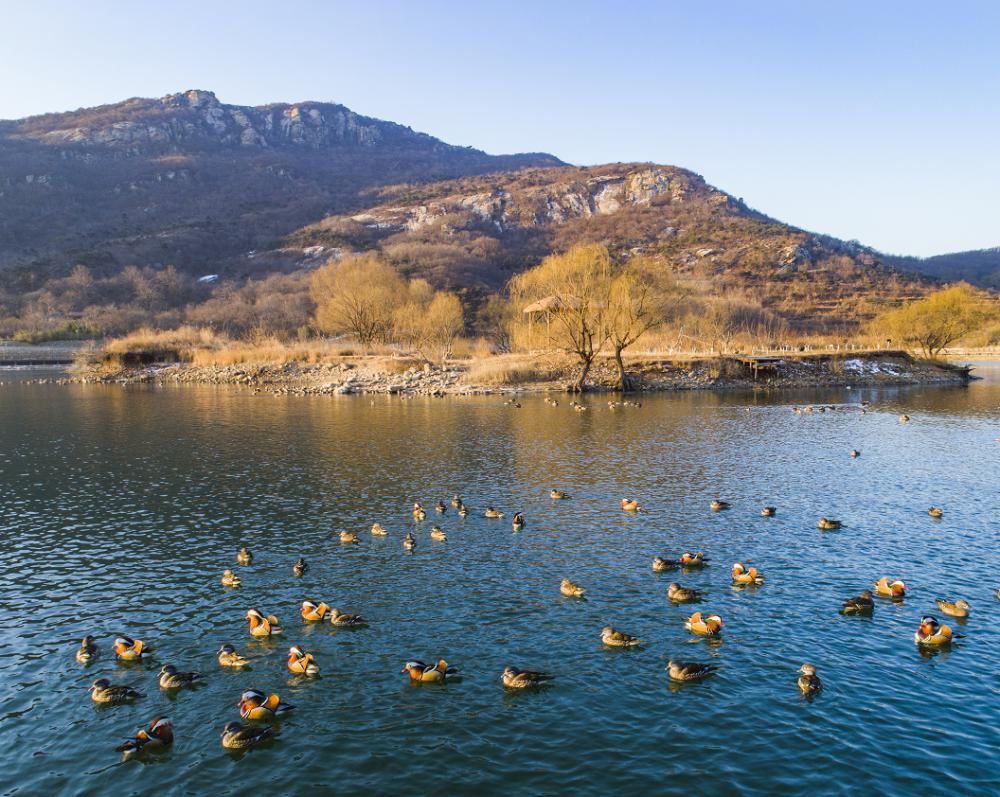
256, 706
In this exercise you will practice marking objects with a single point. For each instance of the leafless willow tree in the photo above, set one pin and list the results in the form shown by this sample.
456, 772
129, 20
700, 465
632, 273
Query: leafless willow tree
357, 296
430, 321
640, 299
591, 302
574, 289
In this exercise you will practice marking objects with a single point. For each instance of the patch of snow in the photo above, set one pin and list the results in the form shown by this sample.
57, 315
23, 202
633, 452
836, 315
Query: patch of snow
859, 366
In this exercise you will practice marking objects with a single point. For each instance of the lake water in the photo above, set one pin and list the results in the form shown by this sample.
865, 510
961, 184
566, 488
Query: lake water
120, 508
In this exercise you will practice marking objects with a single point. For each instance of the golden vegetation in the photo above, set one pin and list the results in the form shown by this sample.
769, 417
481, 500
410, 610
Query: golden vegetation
365, 297
937, 321
357, 296
509, 370
583, 304
586, 302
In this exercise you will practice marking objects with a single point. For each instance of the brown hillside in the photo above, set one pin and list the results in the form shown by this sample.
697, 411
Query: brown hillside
478, 231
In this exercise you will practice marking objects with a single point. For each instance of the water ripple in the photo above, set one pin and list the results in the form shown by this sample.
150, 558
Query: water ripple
120, 508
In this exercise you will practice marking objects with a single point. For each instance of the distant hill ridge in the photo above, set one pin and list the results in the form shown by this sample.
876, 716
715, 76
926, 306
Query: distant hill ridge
978, 266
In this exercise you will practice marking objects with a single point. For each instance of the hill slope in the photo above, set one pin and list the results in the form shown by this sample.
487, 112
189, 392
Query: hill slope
477, 231
187, 180
248, 192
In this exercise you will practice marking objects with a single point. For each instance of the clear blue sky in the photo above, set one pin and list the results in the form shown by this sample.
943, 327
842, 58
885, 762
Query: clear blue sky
870, 119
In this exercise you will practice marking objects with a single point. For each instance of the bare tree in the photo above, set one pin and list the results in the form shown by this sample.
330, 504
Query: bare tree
574, 289
357, 296
639, 301
429, 321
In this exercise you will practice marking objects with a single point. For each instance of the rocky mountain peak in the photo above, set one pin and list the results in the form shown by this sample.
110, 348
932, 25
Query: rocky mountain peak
192, 98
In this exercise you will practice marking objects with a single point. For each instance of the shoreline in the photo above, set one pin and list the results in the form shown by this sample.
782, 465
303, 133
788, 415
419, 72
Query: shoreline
377, 376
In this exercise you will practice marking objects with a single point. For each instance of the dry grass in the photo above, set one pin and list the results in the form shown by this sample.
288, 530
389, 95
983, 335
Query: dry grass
272, 351
181, 339
203, 347
397, 365
509, 370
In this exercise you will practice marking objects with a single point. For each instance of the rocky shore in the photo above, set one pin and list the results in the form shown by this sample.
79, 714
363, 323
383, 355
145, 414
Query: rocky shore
370, 376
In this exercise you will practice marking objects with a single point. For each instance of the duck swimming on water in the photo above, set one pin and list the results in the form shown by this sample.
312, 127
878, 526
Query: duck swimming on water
338, 617
809, 683
261, 626
513, 678
300, 567
429, 673
618, 639
742, 575
896, 590
243, 556
172, 678
518, 522
678, 594
862, 604
300, 662
689, 670
709, 626
236, 736
697, 559
230, 579
313, 612
228, 657
159, 735
630, 505
103, 691
571, 589
827, 524
933, 634
127, 649
88, 650
255, 705
959, 608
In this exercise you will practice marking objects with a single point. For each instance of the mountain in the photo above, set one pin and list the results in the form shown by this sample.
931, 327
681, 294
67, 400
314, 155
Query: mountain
978, 266
478, 231
260, 195
188, 180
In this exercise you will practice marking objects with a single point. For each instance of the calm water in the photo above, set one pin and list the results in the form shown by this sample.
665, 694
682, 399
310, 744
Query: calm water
121, 507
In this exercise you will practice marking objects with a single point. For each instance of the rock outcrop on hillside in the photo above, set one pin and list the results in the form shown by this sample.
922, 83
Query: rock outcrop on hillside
197, 118
476, 232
